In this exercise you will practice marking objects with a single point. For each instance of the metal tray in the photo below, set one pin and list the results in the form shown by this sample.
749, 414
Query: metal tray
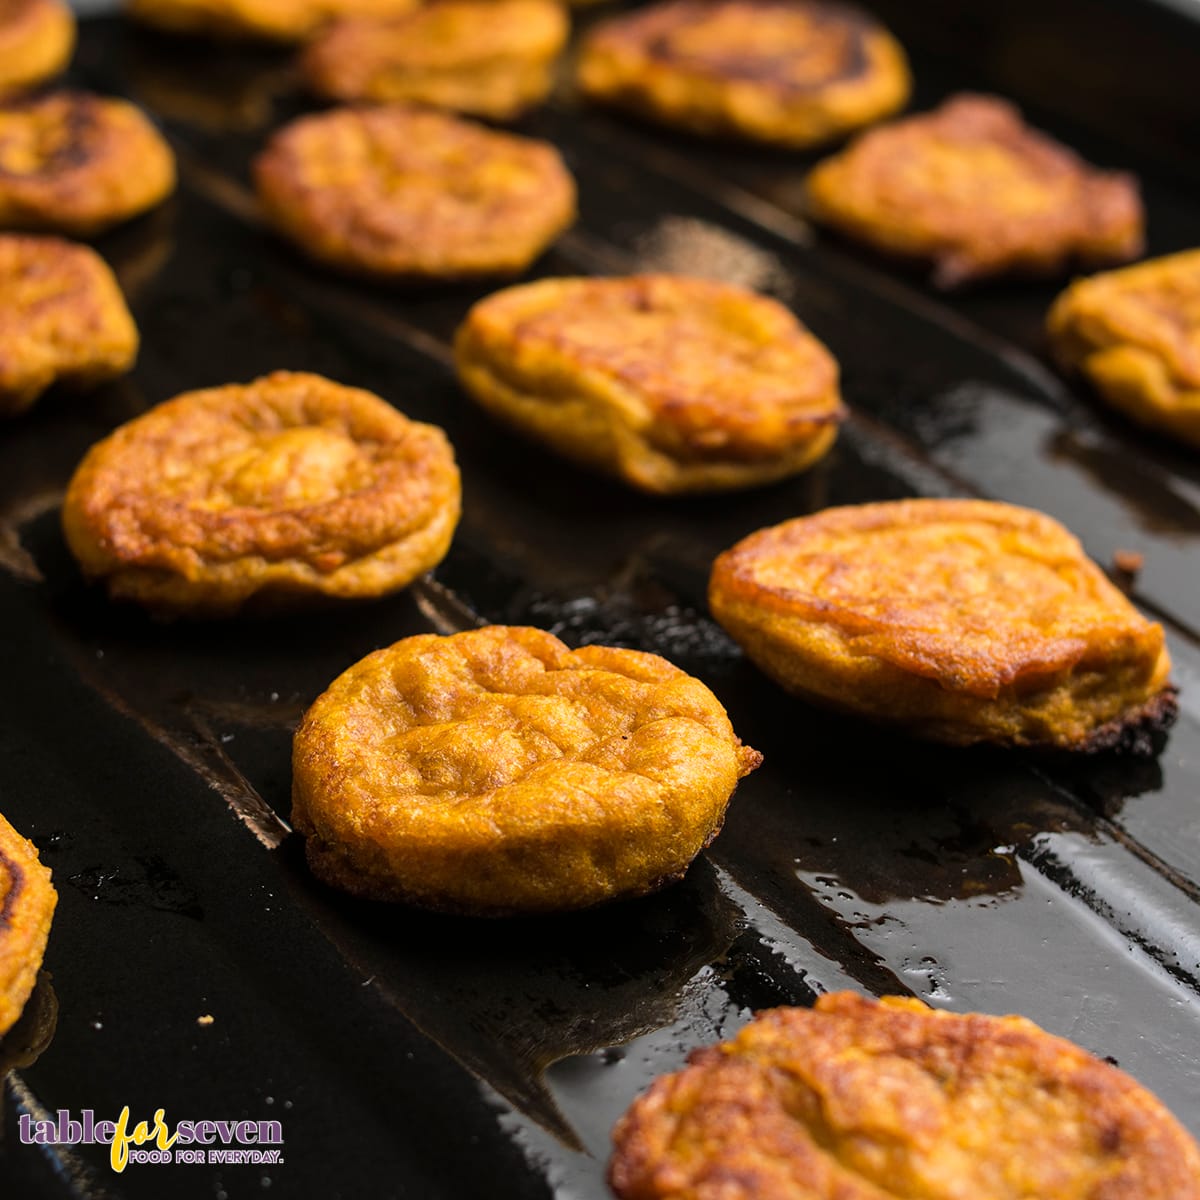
408, 1055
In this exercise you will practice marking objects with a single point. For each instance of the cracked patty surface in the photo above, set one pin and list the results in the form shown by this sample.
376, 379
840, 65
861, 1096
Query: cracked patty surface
290, 485
1135, 334
858, 1099
491, 58
671, 383
785, 71
496, 771
975, 190
63, 319
36, 41
27, 902
404, 193
79, 163
963, 620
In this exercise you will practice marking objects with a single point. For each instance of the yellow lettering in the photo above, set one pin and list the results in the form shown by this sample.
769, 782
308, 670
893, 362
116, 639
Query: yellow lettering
119, 1153
142, 1133
164, 1141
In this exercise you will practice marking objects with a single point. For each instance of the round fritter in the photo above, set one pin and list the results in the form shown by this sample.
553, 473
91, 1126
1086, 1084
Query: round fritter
496, 772
36, 41
76, 163
670, 383
976, 190
961, 620
490, 58
791, 72
1135, 334
63, 318
404, 193
271, 20
27, 900
288, 487
859, 1099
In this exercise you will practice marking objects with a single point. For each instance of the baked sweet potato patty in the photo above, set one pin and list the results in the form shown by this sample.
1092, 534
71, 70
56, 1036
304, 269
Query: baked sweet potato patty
402, 193
960, 620
76, 163
1135, 334
496, 771
27, 902
975, 190
672, 384
790, 72
62, 319
285, 488
858, 1099
36, 41
487, 58
270, 20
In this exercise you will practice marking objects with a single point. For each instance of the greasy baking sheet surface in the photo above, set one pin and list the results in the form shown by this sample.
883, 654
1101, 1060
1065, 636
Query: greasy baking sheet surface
410, 1055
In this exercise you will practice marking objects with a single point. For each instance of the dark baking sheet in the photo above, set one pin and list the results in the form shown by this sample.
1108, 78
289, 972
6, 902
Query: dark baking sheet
416, 1056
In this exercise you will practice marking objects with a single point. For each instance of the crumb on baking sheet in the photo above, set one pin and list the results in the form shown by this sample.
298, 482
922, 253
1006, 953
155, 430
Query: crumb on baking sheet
1128, 562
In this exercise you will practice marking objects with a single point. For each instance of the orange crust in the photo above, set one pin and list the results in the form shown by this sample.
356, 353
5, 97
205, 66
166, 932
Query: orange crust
78, 163
269, 20
858, 1099
670, 383
496, 772
974, 189
63, 319
288, 487
1135, 334
488, 58
961, 620
27, 901
791, 72
403, 193
37, 38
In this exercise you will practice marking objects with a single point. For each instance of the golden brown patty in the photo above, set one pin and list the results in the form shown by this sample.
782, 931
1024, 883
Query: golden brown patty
672, 384
1135, 334
403, 193
973, 188
273, 20
62, 317
496, 771
77, 163
36, 41
793, 72
27, 900
961, 620
859, 1099
490, 58
290, 486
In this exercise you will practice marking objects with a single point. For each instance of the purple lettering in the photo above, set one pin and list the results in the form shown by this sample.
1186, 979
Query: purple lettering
68, 1133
